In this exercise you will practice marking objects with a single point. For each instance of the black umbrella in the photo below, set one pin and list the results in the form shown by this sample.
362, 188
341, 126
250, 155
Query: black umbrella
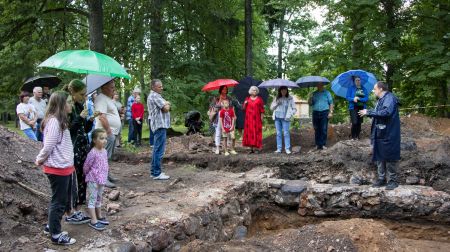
42, 80
240, 91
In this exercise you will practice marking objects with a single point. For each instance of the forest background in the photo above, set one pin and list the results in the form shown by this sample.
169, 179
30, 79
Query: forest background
187, 43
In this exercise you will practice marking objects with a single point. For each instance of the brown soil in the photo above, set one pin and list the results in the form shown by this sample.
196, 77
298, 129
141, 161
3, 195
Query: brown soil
204, 178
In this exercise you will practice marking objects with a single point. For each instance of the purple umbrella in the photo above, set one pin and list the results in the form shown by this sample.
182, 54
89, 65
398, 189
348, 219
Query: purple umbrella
276, 83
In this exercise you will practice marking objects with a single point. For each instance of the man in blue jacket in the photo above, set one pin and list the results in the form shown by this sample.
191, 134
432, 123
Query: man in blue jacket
385, 135
357, 96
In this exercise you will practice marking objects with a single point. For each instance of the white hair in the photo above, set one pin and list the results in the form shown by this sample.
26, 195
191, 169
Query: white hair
253, 88
37, 89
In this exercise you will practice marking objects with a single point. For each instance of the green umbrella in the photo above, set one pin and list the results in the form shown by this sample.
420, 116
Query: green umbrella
86, 62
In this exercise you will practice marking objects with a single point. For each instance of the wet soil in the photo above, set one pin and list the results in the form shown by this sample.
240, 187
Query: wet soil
201, 179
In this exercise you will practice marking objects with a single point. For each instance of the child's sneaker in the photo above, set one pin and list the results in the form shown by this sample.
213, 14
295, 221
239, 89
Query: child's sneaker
217, 151
278, 151
233, 152
227, 153
77, 218
161, 176
103, 220
97, 226
288, 152
63, 239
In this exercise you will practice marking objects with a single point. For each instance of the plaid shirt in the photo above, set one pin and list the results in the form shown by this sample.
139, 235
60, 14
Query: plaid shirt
158, 119
130, 102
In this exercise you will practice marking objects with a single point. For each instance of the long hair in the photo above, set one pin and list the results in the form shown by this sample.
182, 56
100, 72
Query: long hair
279, 92
57, 108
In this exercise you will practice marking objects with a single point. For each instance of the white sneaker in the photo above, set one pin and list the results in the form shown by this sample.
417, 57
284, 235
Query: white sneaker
162, 176
233, 152
277, 151
227, 153
217, 152
288, 152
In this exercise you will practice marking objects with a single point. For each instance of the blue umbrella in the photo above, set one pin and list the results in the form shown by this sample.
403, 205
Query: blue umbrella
276, 83
311, 81
344, 80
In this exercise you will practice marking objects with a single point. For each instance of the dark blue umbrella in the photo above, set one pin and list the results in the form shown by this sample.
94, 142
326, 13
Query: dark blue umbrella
94, 81
311, 81
240, 91
344, 80
276, 83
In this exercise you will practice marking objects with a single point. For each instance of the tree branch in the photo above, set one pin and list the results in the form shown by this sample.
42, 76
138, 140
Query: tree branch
73, 10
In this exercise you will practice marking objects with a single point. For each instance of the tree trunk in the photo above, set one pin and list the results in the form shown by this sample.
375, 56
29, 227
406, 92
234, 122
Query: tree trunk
357, 42
96, 25
248, 38
393, 36
280, 47
157, 40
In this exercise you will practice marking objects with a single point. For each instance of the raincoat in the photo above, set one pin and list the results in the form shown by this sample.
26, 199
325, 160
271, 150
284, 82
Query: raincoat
385, 132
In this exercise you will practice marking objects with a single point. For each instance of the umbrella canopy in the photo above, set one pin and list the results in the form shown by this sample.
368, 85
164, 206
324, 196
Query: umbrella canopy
214, 85
86, 62
344, 80
94, 81
241, 90
311, 81
276, 83
42, 80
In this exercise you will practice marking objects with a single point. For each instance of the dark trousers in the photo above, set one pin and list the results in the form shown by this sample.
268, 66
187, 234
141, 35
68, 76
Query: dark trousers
389, 167
130, 131
137, 130
320, 124
60, 191
38, 132
152, 135
356, 121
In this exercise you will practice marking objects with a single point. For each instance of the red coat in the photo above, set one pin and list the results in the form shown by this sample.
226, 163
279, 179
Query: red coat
137, 110
253, 124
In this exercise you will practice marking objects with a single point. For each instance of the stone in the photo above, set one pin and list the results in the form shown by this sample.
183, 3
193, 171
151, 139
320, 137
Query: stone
412, 180
340, 179
296, 149
325, 179
408, 145
422, 181
113, 207
122, 247
114, 195
191, 225
158, 239
23, 240
330, 249
142, 246
294, 187
240, 232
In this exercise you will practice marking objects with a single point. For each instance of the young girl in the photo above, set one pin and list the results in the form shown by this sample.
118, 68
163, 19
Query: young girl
57, 159
96, 172
227, 122
137, 113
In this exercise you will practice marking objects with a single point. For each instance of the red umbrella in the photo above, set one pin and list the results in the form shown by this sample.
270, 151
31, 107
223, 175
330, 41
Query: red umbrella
214, 85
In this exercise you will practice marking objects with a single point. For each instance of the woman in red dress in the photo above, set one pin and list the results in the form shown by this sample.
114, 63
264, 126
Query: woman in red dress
254, 113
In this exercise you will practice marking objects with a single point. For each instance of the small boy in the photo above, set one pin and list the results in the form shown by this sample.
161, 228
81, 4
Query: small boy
227, 122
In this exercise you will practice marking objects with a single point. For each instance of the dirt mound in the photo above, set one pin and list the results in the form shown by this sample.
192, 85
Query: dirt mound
24, 188
343, 235
425, 125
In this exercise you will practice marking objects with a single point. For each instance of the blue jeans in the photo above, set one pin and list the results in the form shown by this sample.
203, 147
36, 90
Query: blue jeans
30, 134
320, 124
282, 127
130, 131
159, 148
38, 132
152, 135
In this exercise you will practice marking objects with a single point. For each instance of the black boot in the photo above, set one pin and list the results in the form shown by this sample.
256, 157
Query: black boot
391, 185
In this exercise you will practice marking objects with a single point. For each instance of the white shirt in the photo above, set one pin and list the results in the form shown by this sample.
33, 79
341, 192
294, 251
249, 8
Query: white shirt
40, 107
105, 105
28, 111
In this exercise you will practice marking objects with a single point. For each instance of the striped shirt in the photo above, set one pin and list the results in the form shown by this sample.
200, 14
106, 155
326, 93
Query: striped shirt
158, 119
95, 167
58, 150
